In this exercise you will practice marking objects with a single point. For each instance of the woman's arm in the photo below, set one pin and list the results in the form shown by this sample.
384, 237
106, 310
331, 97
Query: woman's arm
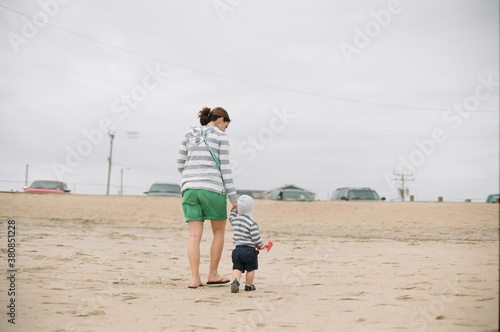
225, 165
182, 156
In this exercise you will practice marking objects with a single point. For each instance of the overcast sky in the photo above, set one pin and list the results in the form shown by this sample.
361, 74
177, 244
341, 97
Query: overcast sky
321, 94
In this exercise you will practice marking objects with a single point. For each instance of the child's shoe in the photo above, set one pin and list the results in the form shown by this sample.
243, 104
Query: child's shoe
235, 286
249, 288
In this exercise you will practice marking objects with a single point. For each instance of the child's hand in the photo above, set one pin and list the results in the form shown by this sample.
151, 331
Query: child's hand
235, 206
268, 246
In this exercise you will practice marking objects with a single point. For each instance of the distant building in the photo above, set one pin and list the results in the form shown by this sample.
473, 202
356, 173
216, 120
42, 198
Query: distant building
275, 193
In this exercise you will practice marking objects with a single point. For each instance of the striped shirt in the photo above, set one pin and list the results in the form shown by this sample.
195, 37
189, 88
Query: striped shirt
246, 231
198, 167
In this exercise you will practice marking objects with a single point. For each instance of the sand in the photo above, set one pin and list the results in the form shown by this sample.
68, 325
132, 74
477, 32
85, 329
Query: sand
119, 263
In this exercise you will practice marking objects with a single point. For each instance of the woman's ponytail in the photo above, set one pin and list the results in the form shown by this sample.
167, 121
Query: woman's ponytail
204, 116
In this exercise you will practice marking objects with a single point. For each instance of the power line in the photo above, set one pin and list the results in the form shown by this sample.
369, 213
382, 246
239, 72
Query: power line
451, 182
263, 85
156, 134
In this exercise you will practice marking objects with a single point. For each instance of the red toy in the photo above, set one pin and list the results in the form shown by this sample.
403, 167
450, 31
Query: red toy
269, 246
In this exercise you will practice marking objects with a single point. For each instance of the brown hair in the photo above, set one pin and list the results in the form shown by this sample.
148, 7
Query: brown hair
207, 115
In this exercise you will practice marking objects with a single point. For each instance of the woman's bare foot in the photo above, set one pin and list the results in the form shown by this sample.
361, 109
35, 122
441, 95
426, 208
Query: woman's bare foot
196, 284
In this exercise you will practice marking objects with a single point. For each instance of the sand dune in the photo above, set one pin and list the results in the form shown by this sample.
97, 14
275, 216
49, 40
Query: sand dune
119, 263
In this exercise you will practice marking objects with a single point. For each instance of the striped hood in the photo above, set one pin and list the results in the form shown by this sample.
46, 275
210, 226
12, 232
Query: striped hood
246, 205
194, 136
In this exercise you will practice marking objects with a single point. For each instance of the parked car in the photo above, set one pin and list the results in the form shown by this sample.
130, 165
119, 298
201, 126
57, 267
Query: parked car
492, 198
355, 194
47, 187
291, 195
164, 189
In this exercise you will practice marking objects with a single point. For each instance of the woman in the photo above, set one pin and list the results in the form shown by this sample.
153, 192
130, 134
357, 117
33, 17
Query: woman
205, 186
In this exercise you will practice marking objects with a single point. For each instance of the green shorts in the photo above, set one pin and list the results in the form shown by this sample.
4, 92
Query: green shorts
203, 205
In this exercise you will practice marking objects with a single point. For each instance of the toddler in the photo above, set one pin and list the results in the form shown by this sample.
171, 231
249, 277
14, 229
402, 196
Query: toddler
246, 239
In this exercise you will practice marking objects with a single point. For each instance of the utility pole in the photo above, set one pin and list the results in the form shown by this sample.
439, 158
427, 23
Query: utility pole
403, 177
112, 136
121, 180
26, 178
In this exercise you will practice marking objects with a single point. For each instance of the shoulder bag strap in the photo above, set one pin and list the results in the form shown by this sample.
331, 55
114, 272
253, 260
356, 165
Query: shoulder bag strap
217, 162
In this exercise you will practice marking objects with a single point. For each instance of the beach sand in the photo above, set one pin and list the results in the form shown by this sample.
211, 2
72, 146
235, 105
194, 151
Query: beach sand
119, 263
